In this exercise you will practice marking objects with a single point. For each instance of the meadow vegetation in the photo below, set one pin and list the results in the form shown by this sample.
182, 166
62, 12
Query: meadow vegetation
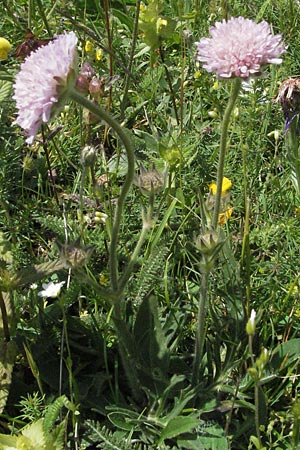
130, 319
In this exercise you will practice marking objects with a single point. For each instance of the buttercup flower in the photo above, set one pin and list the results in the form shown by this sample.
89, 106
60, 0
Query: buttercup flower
226, 185
239, 48
5, 46
51, 290
41, 85
225, 216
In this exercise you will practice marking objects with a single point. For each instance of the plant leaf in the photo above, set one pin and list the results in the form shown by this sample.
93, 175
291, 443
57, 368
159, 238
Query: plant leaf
177, 426
5, 87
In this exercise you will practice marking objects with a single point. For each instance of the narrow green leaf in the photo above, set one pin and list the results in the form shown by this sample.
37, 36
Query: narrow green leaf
5, 87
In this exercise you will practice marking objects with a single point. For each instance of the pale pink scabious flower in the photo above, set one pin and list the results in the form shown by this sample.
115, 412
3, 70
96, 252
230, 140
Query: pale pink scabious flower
41, 86
239, 48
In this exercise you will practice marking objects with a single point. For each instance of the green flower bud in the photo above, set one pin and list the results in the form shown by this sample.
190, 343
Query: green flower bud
88, 156
151, 181
250, 327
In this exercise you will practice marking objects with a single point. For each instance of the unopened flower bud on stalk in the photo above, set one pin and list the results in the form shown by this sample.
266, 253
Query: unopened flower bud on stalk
208, 242
88, 156
151, 180
96, 88
250, 327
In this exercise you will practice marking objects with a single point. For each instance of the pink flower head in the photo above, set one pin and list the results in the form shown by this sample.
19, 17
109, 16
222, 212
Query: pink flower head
41, 85
239, 48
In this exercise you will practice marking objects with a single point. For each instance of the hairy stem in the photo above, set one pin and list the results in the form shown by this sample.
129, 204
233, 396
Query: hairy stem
123, 135
200, 331
223, 144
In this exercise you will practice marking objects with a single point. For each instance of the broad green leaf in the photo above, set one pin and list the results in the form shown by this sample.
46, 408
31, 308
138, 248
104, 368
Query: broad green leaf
151, 344
285, 354
121, 420
177, 426
204, 443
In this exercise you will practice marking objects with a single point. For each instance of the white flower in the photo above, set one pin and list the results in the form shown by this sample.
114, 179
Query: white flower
51, 289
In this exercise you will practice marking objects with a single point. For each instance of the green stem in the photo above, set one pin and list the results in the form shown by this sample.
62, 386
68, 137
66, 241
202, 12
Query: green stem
294, 153
44, 18
200, 331
123, 135
133, 259
4, 317
147, 223
223, 144
169, 81
126, 342
131, 56
256, 392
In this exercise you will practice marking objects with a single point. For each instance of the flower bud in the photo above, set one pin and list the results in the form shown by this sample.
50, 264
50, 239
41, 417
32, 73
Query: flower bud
100, 217
88, 156
96, 88
250, 327
253, 373
208, 242
151, 181
263, 359
75, 255
82, 84
87, 70
213, 114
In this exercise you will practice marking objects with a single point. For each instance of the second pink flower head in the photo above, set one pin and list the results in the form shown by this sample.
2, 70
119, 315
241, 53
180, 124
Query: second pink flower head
239, 48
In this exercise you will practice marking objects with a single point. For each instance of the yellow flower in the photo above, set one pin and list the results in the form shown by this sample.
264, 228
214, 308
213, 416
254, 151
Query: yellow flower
223, 217
160, 23
197, 74
226, 185
215, 85
103, 279
98, 54
89, 47
5, 46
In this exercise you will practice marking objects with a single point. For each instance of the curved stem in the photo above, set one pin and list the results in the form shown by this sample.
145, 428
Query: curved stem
123, 135
223, 144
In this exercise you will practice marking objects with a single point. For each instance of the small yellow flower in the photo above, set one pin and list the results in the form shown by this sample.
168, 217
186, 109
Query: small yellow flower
89, 47
215, 85
224, 216
98, 54
103, 279
226, 185
160, 23
5, 46
197, 74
